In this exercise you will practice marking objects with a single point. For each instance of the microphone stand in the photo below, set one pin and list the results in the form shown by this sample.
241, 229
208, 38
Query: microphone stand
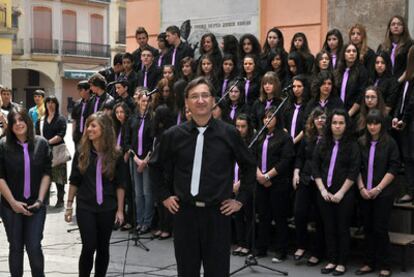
251, 259
226, 93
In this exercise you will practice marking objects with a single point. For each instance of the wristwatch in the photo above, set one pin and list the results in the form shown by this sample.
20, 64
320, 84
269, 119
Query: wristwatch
267, 177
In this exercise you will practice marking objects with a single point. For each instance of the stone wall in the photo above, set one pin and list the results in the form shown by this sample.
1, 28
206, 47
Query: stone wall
373, 14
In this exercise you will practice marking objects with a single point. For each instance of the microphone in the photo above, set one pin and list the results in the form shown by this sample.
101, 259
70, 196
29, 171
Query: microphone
289, 87
149, 93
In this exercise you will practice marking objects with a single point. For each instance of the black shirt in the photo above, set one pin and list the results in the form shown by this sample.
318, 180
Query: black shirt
172, 162
132, 130
154, 74
304, 158
103, 99
77, 116
240, 108
300, 120
333, 102
400, 57
86, 183
129, 101
357, 82
253, 89
386, 160
132, 79
388, 87
347, 164
183, 50
164, 118
56, 127
405, 106
137, 56
12, 168
258, 110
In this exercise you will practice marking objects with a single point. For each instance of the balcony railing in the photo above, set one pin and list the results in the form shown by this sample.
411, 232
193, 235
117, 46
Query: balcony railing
121, 37
69, 48
18, 47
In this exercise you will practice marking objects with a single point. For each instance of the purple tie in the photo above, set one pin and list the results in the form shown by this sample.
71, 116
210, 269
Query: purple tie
140, 135
371, 164
233, 111
333, 60
118, 141
264, 153
160, 60
26, 192
404, 95
268, 104
145, 78
236, 173
394, 47
246, 88
82, 119
294, 119
223, 88
173, 56
179, 118
99, 194
323, 103
95, 108
344, 82
332, 163
376, 82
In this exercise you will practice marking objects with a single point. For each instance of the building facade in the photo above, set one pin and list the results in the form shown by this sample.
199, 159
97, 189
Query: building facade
6, 35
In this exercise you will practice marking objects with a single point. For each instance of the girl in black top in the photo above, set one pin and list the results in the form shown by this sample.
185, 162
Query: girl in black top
333, 44
274, 43
397, 42
23, 191
230, 45
335, 167
96, 180
228, 71
234, 103
403, 124
54, 130
168, 72
243, 218
163, 47
208, 69
251, 73
277, 62
358, 36
323, 94
187, 69
379, 166
383, 79
164, 91
249, 45
275, 155
323, 61
306, 189
294, 112
209, 45
351, 78
270, 95
299, 44
372, 99
296, 64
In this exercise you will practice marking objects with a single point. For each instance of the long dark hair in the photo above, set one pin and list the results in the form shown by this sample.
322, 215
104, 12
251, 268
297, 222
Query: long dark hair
363, 113
53, 99
374, 116
388, 66
231, 46
234, 72
354, 69
306, 89
299, 62
318, 58
240, 87
250, 129
127, 111
11, 119
216, 49
255, 46
318, 82
328, 136
283, 72
338, 35
310, 129
305, 47
280, 43
404, 39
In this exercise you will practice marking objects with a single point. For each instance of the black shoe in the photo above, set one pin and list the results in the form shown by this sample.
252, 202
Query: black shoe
297, 258
327, 270
338, 272
385, 275
279, 257
59, 204
404, 199
144, 230
363, 272
260, 253
310, 263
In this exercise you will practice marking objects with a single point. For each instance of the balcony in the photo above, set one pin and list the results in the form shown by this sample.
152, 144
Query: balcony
121, 37
64, 47
18, 47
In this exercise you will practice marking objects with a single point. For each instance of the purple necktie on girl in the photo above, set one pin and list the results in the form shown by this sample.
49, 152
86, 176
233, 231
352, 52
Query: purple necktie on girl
99, 192
394, 47
264, 153
344, 82
145, 78
246, 89
26, 191
333, 60
82, 119
118, 141
294, 119
404, 95
224, 87
97, 99
140, 136
179, 118
332, 163
323, 103
376, 82
236, 173
233, 111
160, 60
268, 104
173, 56
371, 164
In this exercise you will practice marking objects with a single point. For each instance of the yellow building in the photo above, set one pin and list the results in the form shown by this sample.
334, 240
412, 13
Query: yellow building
6, 36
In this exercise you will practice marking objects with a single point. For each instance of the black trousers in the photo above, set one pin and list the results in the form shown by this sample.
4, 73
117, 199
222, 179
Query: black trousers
95, 230
306, 210
273, 204
336, 221
164, 218
376, 214
243, 225
202, 236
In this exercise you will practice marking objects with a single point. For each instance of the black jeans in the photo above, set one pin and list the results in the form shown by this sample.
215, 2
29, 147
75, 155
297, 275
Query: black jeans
243, 221
25, 231
95, 230
202, 235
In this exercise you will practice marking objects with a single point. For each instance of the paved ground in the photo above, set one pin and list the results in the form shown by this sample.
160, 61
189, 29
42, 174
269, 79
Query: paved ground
62, 250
